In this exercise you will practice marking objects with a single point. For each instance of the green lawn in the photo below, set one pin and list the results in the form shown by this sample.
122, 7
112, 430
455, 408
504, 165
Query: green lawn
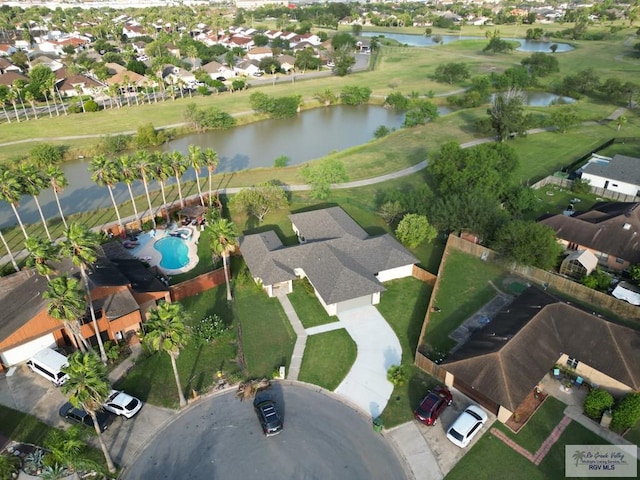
267, 336
491, 459
204, 260
539, 426
463, 288
307, 305
328, 357
553, 199
634, 434
403, 305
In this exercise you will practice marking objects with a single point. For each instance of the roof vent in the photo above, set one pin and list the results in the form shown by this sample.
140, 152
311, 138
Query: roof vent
626, 226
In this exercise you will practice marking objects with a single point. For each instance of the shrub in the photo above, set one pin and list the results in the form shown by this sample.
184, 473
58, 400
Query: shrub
91, 106
209, 328
281, 161
381, 131
597, 402
397, 375
627, 413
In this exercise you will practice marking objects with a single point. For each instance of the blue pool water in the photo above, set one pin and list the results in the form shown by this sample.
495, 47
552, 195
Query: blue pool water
175, 253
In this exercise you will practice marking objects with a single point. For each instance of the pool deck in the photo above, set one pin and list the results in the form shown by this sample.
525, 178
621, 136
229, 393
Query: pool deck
147, 253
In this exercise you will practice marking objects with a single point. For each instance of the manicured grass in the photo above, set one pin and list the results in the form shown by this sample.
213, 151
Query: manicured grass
539, 426
634, 434
152, 378
307, 305
553, 465
403, 305
328, 357
491, 459
204, 260
464, 287
267, 336
553, 199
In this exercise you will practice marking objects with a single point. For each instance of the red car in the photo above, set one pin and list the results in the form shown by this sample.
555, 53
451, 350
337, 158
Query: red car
433, 405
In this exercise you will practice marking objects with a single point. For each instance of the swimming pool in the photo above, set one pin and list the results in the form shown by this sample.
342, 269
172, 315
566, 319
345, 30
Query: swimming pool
175, 253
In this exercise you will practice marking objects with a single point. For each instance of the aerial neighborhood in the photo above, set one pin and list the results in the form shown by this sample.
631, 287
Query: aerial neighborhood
394, 240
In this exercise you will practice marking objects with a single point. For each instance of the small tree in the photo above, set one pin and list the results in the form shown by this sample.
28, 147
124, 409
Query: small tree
597, 402
320, 176
581, 186
414, 229
627, 413
390, 211
259, 200
598, 280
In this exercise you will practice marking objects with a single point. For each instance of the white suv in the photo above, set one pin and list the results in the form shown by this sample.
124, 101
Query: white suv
467, 425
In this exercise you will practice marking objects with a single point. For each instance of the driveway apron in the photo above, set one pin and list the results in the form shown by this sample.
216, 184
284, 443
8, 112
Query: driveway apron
366, 384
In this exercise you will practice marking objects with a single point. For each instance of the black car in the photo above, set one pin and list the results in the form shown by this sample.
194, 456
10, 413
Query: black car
269, 418
77, 415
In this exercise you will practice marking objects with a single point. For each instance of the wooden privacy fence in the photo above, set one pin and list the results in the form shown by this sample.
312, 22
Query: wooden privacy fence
196, 285
424, 276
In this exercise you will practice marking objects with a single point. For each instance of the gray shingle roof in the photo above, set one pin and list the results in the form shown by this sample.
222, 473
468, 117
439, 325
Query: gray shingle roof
609, 227
508, 357
339, 258
620, 167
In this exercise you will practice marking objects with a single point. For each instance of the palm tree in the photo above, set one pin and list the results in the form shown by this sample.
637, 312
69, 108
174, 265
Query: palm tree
129, 174
13, 98
144, 163
4, 97
195, 160
67, 303
50, 85
80, 245
166, 331
58, 181
620, 121
33, 182
104, 172
41, 254
30, 97
6, 247
11, 191
88, 388
223, 242
161, 172
211, 161
179, 167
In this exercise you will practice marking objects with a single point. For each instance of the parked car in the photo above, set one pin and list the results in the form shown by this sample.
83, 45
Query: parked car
269, 418
433, 405
467, 425
77, 415
122, 403
258, 74
221, 79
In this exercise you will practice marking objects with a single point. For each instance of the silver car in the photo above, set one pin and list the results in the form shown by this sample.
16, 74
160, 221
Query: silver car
467, 425
122, 403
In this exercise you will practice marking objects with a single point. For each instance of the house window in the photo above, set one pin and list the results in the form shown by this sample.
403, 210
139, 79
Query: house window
572, 362
619, 260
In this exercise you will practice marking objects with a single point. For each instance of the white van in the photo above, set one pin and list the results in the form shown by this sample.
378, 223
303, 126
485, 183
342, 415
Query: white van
49, 363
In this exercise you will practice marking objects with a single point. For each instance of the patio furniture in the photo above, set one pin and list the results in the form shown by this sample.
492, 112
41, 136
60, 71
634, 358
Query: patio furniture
579, 382
556, 373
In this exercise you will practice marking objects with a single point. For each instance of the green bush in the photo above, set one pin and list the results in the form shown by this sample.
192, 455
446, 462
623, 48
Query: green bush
597, 402
91, 106
281, 161
627, 413
397, 375
209, 328
381, 131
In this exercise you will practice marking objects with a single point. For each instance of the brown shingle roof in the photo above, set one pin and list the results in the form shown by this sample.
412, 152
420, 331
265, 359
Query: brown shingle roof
508, 357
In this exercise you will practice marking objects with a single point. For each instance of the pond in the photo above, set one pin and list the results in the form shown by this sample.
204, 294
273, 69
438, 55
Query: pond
543, 99
430, 41
310, 135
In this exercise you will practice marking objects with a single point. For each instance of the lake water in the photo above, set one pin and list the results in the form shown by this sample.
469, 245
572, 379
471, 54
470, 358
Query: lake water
544, 99
429, 41
310, 135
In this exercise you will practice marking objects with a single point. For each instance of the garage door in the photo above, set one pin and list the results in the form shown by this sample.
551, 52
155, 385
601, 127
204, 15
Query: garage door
354, 303
27, 350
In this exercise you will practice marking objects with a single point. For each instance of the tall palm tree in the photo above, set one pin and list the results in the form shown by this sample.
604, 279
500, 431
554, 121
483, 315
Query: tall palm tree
66, 303
129, 174
104, 173
4, 98
50, 84
179, 166
161, 172
196, 160
211, 161
41, 254
33, 182
224, 240
11, 257
80, 246
30, 97
13, 98
144, 164
58, 181
88, 388
166, 331
11, 191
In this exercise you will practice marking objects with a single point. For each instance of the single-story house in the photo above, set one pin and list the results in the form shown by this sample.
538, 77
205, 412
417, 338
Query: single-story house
578, 264
287, 62
71, 84
502, 363
258, 53
345, 265
247, 67
122, 290
609, 230
129, 81
619, 174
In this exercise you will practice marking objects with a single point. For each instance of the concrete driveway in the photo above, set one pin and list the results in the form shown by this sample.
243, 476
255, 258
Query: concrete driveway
366, 384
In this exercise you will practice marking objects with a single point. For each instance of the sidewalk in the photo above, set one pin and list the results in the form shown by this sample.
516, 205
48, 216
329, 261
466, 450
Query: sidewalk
414, 450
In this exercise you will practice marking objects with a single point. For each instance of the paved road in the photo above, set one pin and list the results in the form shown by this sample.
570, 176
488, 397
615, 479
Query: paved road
220, 437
